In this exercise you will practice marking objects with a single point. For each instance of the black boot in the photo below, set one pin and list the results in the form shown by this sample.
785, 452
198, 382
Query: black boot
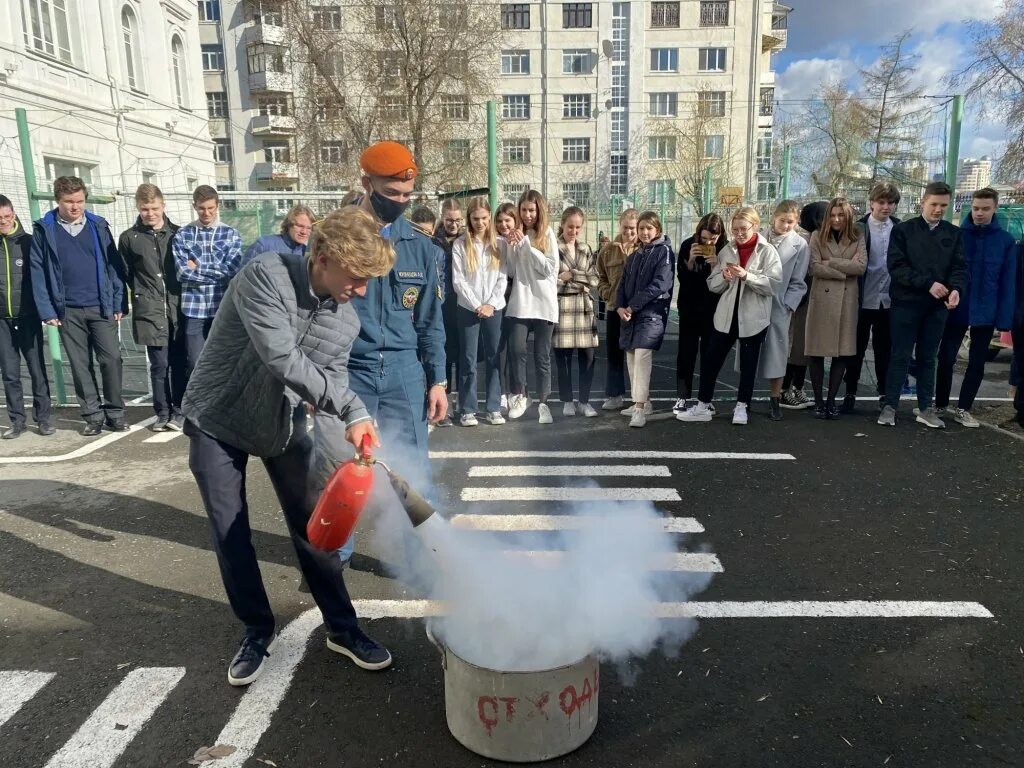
775, 408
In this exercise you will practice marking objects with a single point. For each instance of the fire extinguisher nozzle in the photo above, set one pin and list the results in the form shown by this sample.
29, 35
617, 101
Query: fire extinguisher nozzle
417, 507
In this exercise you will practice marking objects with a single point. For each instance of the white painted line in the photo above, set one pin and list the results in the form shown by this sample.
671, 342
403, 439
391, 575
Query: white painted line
679, 562
671, 455
140, 400
163, 437
570, 494
85, 450
506, 523
572, 470
850, 609
18, 687
254, 712
118, 719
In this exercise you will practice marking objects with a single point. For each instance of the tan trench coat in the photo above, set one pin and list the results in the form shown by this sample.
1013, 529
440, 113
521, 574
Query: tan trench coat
833, 310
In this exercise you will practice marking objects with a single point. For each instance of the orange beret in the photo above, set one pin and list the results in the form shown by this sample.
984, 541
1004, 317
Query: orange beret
388, 159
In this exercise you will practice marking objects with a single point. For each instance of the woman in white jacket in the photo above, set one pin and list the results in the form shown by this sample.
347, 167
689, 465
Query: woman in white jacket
746, 274
478, 278
532, 256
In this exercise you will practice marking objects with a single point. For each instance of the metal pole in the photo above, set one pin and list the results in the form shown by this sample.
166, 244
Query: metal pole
787, 161
52, 334
492, 152
956, 122
707, 190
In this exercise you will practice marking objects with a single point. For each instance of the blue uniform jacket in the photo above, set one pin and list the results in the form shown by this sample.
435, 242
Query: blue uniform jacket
273, 244
401, 312
48, 278
646, 288
991, 256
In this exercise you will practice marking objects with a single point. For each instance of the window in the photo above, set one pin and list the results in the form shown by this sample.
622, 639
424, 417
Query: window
455, 108
664, 105
457, 151
714, 13
264, 58
385, 17
577, 61
394, 108
149, 177
178, 79
267, 12
213, 58
665, 15
333, 153
216, 105
332, 65
766, 191
47, 29
661, 148
327, 17
277, 151
577, 15
620, 131
209, 10
390, 65
515, 107
661, 191
767, 102
764, 152
714, 147
576, 150
515, 150
578, 192
711, 103
576, 105
130, 43
664, 59
515, 62
515, 16
514, 191
273, 105
329, 111
620, 175
55, 168
221, 151
712, 60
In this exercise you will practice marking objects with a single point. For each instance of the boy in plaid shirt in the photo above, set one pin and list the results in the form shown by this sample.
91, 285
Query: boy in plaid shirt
207, 254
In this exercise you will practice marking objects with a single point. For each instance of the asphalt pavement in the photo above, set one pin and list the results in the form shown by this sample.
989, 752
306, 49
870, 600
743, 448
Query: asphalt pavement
863, 608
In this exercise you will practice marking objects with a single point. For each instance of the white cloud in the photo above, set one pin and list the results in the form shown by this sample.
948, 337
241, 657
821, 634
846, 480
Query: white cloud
802, 78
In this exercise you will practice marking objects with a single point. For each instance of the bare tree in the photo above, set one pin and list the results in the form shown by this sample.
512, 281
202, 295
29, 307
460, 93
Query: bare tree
836, 117
414, 71
995, 74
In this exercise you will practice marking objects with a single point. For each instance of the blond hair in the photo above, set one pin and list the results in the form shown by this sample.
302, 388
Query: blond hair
490, 237
626, 215
293, 214
148, 193
748, 214
350, 238
787, 207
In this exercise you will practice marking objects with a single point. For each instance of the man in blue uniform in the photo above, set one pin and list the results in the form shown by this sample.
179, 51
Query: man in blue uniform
398, 361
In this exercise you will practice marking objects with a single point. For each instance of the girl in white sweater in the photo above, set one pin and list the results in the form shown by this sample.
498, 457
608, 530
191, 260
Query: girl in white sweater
479, 277
533, 303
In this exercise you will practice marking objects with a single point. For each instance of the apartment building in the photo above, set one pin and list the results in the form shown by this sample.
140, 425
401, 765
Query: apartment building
974, 174
597, 100
113, 94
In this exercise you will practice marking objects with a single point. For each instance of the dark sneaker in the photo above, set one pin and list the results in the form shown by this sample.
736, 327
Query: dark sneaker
364, 651
248, 662
92, 429
834, 411
849, 405
820, 412
881, 403
175, 423
13, 432
775, 409
117, 425
46, 429
159, 425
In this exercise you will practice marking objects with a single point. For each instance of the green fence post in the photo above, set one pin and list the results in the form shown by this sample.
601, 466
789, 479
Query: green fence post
52, 334
956, 122
492, 152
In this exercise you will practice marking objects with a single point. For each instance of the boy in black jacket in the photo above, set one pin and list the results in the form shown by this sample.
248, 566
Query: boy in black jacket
1018, 337
928, 274
21, 332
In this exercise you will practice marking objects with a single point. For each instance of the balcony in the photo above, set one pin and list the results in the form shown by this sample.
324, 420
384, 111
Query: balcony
774, 40
270, 81
272, 125
268, 34
274, 170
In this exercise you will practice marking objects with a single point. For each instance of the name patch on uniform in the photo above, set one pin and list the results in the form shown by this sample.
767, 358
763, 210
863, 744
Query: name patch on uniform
409, 297
412, 276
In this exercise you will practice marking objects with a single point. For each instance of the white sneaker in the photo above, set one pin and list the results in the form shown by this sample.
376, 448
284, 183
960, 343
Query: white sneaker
468, 420
588, 410
495, 418
639, 418
964, 418
739, 414
569, 409
612, 403
680, 406
504, 401
648, 409
544, 414
699, 412
517, 406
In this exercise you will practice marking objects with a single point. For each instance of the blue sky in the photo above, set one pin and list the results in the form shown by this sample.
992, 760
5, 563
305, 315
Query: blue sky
834, 38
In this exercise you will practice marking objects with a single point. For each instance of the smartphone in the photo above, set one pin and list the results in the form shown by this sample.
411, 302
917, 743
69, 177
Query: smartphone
707, 250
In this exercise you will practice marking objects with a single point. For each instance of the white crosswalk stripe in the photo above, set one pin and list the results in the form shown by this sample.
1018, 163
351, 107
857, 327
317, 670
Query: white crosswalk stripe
511, 523
163, 437
571, 470
570, 494
18, 687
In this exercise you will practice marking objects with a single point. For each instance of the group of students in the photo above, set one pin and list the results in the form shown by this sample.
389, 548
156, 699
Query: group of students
815, 286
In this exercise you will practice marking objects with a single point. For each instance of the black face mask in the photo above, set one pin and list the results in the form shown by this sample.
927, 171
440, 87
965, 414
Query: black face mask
386, 210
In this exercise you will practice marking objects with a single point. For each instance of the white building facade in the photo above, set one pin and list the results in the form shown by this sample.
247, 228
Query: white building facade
974, 175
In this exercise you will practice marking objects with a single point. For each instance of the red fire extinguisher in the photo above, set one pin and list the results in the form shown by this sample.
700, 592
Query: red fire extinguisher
342, 501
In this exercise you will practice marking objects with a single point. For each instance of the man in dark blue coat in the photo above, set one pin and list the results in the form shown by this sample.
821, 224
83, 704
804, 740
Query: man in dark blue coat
986, 305
78, 285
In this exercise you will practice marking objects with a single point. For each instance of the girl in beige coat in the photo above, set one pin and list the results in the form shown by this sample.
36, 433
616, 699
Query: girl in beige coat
838, 256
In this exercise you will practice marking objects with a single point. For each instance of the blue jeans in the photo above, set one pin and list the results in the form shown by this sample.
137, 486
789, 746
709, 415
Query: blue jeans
919, 326
471, 328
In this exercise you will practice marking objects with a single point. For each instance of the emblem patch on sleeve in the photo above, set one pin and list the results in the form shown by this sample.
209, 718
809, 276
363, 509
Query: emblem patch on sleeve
410, 296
